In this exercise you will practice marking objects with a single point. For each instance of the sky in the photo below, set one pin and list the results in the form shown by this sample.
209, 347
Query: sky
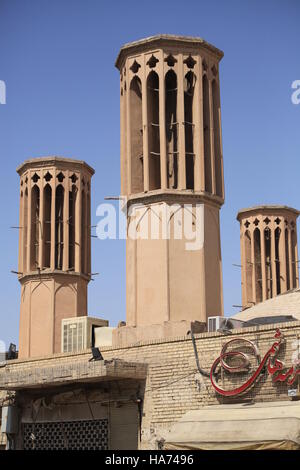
62, 98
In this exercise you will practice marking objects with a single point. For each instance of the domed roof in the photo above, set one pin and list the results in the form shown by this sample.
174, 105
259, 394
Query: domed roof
283, 304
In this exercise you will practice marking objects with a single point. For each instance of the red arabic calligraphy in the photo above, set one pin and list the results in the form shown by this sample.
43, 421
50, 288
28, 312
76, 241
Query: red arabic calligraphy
275, 367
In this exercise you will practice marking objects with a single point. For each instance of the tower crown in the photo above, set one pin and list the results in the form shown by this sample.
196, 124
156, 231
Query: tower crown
170, 116
54, 211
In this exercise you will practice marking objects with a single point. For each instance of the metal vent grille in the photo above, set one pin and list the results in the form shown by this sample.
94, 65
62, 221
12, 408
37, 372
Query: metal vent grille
212, 324
68, 435
74, 336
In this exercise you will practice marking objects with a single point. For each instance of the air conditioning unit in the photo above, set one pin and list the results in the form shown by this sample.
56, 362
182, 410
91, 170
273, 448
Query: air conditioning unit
217, 323
78, 333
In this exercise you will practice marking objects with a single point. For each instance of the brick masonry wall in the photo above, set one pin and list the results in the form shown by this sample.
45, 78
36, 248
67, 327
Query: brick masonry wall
174, 386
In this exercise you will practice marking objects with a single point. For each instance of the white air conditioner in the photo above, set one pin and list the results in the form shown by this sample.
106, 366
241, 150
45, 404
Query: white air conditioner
217, 323
78, 333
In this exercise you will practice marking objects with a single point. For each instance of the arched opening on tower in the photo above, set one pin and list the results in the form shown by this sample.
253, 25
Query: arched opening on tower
247, 241
47, 226
72, 206
136, 136
83, 231
277, 262
268, 262
206, 136
287, 259
59, 226
25, 229
153, 130
217, 137
88, 215
171, 128
35, 214
257, 263
294, 268
189, 127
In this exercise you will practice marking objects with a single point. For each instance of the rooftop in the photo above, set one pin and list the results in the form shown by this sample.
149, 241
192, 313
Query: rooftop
54, 160
264, 208
287, 303
164, 40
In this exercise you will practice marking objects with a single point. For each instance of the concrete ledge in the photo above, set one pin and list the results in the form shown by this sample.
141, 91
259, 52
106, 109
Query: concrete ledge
128, 335
16, 378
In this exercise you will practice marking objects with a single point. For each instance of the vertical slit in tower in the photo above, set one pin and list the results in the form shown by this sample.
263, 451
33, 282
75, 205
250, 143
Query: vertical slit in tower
35, 213
277, 261
171, 128
25, 230
293, 260
136, 136
189, 128
153, 130
47, 226
206, 136
258, 267
248, 266
287, 257
72, 203
83, 232
88, 215
267, 235
59, 226
21, 243
217, 137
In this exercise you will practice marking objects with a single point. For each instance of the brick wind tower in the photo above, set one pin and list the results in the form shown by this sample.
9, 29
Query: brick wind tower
54, 249
171, 153
269, 253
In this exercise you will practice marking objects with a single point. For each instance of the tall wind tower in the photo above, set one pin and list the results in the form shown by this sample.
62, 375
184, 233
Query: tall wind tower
54, 249
171, 154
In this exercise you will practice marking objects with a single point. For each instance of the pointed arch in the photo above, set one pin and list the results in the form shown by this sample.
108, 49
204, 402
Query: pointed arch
35, 227
47, 226
171, 128
59, 226
153, 130
248, 268
257, 264
189, 127
72, 212
217, 137
136, 136
206, 135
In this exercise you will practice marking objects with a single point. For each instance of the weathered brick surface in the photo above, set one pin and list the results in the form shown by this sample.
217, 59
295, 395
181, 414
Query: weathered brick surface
173, 385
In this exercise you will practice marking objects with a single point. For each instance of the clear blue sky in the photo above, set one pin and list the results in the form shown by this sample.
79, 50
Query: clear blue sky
57, 59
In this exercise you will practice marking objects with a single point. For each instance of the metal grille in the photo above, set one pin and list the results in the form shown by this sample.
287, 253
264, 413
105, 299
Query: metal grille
73, 336
68, 435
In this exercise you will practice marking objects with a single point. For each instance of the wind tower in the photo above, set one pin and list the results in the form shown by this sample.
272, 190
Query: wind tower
171, 154
269, 253
54, 249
